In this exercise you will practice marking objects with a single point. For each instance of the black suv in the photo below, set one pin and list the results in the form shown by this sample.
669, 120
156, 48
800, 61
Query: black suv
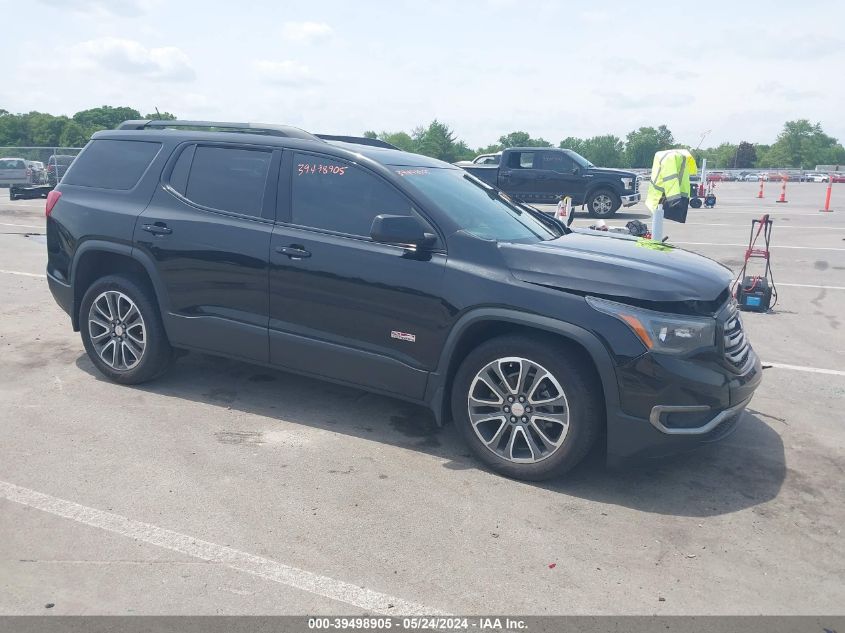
352, 261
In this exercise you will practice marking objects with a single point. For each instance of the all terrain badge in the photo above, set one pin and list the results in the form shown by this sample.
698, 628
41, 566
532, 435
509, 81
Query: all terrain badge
403, 336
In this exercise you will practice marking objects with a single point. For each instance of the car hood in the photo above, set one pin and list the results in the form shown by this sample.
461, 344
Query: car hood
611, 173
614, 266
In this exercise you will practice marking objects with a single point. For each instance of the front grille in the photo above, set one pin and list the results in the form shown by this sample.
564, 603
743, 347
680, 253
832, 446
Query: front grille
637, 184
736, 345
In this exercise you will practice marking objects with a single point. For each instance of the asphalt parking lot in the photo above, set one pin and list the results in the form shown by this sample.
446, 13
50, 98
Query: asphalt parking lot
225, 488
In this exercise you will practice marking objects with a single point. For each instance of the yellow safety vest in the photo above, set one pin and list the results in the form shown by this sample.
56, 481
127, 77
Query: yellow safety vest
670, 174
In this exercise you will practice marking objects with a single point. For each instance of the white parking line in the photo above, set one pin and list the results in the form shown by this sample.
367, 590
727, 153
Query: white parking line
359, 597
815, 370
788, 226
809, 248
22, 226
17, 272
780, 283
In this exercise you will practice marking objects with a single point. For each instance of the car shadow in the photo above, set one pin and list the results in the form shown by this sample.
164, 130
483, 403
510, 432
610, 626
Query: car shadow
746, 469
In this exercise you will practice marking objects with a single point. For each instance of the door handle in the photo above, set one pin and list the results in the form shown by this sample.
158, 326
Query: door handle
159, 228
293, 251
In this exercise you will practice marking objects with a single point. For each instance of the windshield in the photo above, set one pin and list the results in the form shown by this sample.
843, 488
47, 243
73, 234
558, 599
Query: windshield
475, 206
583, 162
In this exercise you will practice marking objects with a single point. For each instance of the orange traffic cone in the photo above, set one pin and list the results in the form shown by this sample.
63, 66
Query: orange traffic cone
827, 208
782, 192
760, 193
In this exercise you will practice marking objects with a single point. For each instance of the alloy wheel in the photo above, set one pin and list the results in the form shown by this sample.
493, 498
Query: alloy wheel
518, 410
117, 330
602, 204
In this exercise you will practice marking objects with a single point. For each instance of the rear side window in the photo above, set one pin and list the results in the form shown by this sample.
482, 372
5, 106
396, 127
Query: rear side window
521, 160
228, 178
338, 196
111, 164
179, 175
12, 164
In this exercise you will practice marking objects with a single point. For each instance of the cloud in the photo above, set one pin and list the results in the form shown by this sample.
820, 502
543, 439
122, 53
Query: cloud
595, 15
306, 31
791, 47
129, 57
286, 72
648, 101
123, 8
777, 89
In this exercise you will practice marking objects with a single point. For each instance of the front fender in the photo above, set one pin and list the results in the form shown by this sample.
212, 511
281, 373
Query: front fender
436, 388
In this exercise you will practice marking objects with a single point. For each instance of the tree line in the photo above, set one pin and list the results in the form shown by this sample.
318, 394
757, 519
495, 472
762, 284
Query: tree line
37, 129
800, 144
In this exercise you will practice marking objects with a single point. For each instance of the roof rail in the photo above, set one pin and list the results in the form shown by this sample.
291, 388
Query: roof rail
227, 126
360, 140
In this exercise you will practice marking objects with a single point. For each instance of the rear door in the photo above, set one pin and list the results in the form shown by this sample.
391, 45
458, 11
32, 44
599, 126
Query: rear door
519, 176
208, 231
341, 305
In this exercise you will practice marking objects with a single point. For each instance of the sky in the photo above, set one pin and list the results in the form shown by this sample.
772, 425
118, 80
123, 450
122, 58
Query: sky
734, 70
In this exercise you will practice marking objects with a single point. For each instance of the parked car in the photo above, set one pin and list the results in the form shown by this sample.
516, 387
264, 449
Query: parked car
535, 174
837, 177
752, 177
816, 177
399, 274
37, 172
13, 171
57, 165
716, 176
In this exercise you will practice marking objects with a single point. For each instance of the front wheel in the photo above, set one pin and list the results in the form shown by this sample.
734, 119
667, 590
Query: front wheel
603, 203
528, 407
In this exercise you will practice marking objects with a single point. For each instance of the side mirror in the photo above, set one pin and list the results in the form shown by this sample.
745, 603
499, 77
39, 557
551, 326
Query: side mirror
401, 230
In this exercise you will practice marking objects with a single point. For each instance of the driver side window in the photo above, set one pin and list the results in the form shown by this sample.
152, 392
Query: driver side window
341, 197
558, 161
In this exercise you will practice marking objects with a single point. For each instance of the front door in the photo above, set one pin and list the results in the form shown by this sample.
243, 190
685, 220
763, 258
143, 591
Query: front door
341, 305
560, 176
208, 231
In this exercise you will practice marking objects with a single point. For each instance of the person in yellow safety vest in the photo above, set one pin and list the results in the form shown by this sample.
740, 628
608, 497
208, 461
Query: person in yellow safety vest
669, 184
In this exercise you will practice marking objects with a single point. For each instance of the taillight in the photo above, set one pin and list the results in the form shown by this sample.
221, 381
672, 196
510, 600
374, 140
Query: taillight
52, 199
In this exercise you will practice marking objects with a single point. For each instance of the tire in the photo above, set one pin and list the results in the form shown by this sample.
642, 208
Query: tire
578, 415
603, 203
144, 353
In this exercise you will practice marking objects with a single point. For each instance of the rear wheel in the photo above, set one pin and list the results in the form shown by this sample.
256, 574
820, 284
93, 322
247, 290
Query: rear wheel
527, 407
122, 331
603, 203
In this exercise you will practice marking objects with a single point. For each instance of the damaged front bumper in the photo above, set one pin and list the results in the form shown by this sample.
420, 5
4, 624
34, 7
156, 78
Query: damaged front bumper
671, 405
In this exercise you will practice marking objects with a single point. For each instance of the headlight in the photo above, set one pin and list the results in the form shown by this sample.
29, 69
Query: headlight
628, 183
660, 332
